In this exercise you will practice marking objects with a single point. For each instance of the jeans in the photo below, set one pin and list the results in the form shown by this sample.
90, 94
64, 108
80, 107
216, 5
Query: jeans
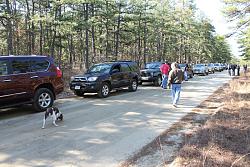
164, 81
185, 75
176, 90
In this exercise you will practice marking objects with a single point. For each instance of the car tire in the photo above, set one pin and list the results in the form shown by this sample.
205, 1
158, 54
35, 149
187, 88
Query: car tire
133, 85
79, 93
158, 81
43, 99
191, 75
104, 90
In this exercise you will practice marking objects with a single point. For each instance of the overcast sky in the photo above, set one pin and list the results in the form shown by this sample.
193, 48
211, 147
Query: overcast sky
212, 9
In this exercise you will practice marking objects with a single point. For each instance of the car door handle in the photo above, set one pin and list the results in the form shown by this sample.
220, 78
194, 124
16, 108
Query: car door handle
34, 77
7, 80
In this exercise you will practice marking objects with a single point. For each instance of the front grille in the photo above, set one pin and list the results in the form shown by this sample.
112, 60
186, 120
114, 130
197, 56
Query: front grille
145, 74
80, 79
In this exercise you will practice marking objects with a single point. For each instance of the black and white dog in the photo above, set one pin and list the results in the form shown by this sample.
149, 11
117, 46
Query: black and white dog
54, 113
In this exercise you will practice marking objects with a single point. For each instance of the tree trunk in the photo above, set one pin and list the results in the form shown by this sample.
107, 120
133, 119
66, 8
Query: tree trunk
28, 34
41, 31
9, 29
118, 32
33, 29
87, 37
93, 37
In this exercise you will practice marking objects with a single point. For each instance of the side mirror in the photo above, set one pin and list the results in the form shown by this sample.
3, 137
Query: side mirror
115, 71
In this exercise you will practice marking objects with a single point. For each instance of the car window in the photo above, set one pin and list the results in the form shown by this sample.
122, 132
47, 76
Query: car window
100, 68
153, 65
20, 66
118, 67
134, 67
3, 67
39, 65
125, 68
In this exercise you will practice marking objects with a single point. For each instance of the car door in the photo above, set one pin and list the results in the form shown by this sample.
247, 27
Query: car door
21, 78
125, 74
7, 88
116, 76
39, 73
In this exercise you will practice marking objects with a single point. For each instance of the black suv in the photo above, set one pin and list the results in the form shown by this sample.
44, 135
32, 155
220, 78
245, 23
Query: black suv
29, 79
102, 78
152, 73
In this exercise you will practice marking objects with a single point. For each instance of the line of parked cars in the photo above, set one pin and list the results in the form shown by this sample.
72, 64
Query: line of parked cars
37, 80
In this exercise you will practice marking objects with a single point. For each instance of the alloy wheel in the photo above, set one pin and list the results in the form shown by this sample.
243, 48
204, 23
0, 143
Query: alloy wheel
134, 85
105, 90
44, 100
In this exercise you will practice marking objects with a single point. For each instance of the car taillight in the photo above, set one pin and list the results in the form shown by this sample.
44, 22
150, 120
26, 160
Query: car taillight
58, 72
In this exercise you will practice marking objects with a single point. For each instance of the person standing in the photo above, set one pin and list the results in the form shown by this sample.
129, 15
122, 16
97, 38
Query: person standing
186, 72
164, 73
229, 69
238, 70
175, 78
233, 66
245, 69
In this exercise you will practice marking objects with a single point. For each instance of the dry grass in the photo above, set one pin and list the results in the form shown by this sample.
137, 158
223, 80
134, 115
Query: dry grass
224, 140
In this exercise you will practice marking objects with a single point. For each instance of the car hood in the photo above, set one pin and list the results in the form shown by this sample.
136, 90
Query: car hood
198, 68
87, 75
150, 70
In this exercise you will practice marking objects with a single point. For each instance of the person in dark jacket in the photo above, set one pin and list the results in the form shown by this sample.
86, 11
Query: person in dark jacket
175, 78
229, 69
238, 70
186, 72
233, 66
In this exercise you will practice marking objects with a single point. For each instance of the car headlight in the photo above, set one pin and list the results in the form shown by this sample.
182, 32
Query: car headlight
92, 79
72, 78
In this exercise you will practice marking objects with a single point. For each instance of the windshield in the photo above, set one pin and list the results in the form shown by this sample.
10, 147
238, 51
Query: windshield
216, 64
153, 65
210, 65
199, 65
100, 68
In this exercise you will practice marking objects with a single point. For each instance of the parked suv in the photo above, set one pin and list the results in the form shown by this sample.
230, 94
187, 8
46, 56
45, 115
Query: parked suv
29, 79
211, 67
152, 73
102, 78
218, 67
201, 69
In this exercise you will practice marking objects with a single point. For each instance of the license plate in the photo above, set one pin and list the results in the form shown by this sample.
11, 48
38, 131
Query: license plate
144, 78
77, 87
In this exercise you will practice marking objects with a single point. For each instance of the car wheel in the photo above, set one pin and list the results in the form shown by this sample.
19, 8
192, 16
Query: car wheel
79, 93
158, 81
133, 86
104, 90
191, 75
43, 99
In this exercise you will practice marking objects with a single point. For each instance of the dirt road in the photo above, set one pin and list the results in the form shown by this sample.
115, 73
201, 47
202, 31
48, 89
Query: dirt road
99, 132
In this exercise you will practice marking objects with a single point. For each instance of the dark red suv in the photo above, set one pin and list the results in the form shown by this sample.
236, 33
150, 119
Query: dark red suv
29, 79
